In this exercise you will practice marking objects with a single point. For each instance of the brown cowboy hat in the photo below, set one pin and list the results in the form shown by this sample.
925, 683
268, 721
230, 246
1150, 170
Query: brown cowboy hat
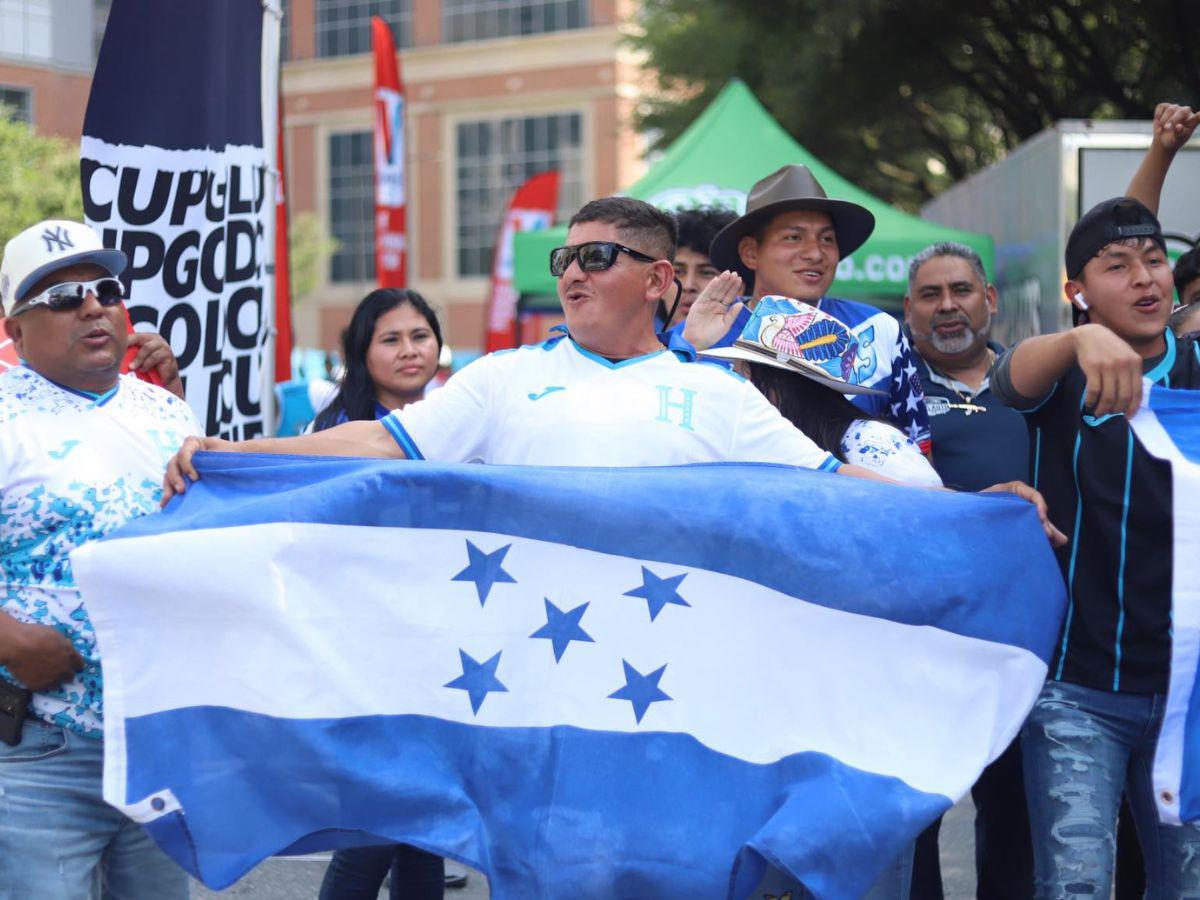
791, 187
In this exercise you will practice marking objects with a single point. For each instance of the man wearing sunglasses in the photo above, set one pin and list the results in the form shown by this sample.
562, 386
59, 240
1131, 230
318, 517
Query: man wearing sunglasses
82, 450
605, 392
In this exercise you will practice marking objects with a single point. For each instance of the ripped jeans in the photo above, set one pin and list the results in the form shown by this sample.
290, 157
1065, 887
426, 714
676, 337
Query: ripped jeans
1082, 748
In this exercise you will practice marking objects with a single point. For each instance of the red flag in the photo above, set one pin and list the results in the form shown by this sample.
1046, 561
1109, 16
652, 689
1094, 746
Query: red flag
532, 207
390, 244
283, 285
152, 376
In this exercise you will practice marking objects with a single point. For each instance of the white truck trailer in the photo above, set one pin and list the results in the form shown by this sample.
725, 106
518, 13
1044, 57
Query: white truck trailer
1029, 201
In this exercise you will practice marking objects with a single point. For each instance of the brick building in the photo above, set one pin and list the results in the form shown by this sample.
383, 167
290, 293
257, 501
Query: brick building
496, 89
47, 53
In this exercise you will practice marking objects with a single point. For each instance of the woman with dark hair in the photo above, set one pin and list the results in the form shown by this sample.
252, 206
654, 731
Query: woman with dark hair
839, 427
390, 349
801, 358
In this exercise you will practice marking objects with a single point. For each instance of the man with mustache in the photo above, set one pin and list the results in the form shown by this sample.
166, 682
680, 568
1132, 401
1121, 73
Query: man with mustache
948, 311
978, 441
82, 452
789, 243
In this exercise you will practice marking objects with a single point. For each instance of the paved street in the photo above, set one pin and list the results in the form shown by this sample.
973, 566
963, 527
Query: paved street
299, 878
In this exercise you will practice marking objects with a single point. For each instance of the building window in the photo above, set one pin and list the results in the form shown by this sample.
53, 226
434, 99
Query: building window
476, 20
344, 26
352, 205
494, 158
25, 28
15, 103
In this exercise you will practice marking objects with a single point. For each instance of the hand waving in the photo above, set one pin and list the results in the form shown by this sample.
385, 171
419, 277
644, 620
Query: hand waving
715, 311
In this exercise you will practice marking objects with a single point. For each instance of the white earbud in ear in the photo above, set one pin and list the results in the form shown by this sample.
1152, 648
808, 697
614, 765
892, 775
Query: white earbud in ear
1079, 299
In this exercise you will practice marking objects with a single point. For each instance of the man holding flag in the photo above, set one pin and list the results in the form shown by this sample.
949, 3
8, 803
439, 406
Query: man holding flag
1093, 732
608, 392
81, 448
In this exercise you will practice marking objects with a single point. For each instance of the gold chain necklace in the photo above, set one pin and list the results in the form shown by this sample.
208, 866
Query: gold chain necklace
968, 405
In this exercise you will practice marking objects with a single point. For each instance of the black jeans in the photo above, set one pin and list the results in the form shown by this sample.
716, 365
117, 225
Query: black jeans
1003, 848
357, 874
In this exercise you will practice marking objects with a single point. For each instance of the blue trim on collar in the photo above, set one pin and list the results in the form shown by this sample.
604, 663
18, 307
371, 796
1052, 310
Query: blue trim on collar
674, 341
97, 399
108, 395
608, 364
1167, 362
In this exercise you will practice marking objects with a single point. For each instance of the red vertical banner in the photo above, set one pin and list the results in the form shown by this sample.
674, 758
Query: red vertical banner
283, 281
532, 207
391, 249
8, 353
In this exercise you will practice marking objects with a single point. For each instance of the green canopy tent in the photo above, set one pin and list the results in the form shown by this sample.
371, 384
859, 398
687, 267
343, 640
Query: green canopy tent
731, 145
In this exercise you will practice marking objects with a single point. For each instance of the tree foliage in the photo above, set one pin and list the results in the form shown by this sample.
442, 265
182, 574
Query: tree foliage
906, 96
39, 178
309, 249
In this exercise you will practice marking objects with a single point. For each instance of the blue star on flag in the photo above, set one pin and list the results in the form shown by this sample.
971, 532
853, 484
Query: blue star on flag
640, 690
478, 679
562, 627
658, 592
485, 570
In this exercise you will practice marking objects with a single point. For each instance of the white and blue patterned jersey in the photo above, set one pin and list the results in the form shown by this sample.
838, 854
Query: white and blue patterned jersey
73, 467
559, 404
885, 362
877, 446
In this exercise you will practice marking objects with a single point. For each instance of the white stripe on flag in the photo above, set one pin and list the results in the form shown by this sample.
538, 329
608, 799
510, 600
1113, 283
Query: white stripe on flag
1185, 607
741, 659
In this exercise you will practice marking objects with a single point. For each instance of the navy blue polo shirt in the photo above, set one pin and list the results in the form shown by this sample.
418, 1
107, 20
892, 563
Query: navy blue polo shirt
973, 448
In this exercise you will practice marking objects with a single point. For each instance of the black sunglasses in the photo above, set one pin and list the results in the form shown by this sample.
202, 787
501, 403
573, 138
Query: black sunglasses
594, 256
70, 295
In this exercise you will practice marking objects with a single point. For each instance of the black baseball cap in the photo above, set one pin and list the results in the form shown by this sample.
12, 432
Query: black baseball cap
1111, 220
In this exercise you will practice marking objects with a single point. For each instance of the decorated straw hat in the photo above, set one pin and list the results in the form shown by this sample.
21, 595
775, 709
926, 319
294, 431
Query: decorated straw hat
796, 337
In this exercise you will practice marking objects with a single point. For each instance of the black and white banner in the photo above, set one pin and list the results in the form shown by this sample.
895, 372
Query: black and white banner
177, 167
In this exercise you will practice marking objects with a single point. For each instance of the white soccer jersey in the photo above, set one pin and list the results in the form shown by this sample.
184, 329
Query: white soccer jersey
73, 467
557, 404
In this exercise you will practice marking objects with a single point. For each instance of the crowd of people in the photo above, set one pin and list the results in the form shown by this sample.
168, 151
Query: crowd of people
699, 336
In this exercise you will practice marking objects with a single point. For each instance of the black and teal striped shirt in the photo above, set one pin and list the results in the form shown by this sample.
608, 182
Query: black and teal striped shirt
1113, 499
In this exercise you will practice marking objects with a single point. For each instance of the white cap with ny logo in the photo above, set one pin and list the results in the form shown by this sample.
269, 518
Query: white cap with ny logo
42, 248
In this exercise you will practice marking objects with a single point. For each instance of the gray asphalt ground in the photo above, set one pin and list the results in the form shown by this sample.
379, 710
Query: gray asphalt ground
299, 878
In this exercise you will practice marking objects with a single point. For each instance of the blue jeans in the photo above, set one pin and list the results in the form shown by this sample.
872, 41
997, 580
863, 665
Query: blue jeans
58, 838
357, 873
1082, 748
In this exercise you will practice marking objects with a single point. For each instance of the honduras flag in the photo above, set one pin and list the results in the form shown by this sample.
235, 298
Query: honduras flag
584, 682
1168, 425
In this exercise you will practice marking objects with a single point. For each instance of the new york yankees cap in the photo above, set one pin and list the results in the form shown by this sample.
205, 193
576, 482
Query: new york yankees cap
39, 250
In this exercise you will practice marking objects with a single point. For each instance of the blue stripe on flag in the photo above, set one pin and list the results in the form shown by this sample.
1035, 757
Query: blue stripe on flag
1176, 412
580, 781
738, 519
